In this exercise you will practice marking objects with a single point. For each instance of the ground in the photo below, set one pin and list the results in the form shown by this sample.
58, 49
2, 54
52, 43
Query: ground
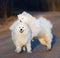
7, 47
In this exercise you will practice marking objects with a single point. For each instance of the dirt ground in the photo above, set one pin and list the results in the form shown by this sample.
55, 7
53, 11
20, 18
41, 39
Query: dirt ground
39, 51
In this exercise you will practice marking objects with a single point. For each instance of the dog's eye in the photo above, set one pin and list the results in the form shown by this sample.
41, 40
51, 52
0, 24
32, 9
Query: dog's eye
22, 18
22, 27
19, 27
20, 21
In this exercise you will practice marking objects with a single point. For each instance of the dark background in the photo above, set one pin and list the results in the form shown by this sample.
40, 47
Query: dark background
34, 5
9, 7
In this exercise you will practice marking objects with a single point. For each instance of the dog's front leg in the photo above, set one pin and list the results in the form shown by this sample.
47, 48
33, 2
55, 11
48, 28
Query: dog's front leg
18, 49
28, 45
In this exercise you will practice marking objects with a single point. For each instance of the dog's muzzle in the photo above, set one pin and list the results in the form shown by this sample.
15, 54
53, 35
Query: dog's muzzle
20, 21
21, 30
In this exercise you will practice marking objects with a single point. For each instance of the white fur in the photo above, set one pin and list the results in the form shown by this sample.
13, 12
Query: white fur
23, 38
40, 27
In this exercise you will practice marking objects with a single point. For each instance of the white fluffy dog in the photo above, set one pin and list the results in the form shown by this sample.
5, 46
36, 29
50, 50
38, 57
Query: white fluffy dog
21, 35
41, 28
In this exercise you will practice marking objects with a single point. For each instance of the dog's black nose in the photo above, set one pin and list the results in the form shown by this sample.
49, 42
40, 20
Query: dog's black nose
21, 29
20, 21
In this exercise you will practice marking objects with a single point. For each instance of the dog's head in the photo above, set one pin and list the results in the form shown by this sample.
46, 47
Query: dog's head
25, 17
22, 28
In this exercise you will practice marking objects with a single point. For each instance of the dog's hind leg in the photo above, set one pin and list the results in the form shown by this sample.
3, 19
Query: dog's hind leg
45, 42
42, 41
46, 39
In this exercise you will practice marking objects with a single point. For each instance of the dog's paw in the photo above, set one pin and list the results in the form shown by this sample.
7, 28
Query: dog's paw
17, 51
29, 51
49, 49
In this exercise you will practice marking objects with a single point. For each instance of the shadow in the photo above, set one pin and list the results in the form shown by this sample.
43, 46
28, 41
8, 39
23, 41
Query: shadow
34, 43
53, 41
23, 50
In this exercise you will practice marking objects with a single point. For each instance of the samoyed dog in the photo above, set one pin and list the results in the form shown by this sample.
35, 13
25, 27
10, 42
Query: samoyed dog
41, 28
21, 36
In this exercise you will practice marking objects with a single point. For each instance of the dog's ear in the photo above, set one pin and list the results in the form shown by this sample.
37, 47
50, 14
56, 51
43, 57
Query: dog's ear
27, 14
18, 16
24, 13
12, 27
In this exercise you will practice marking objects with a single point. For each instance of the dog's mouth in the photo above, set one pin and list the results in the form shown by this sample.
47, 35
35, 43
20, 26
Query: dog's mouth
21, 31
